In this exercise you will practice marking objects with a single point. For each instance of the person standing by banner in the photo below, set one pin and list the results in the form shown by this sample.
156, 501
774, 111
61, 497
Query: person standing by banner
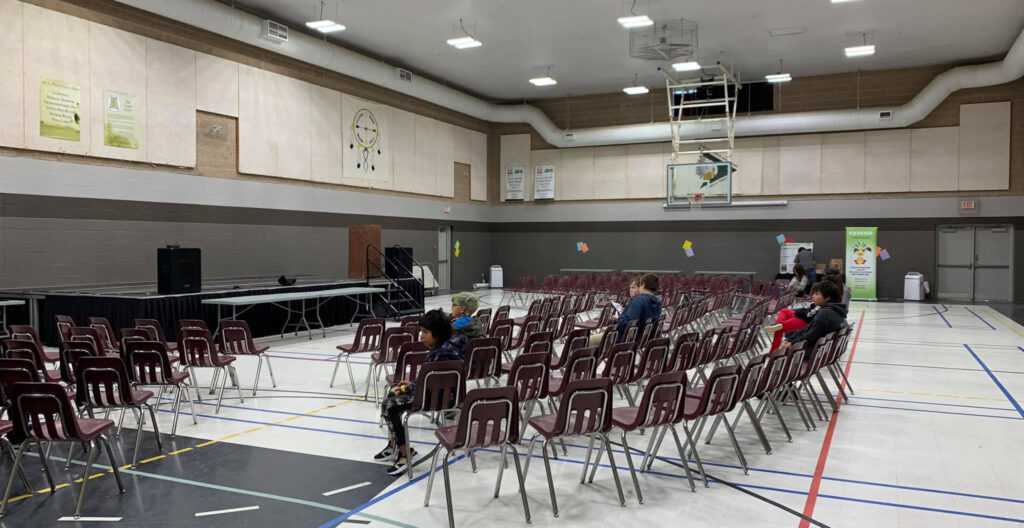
805, 257
861, 265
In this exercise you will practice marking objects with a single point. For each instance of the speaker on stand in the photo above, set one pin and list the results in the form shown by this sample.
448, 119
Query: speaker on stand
178, 270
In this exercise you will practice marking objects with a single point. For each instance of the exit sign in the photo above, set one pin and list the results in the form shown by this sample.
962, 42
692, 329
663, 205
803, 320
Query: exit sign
968, 206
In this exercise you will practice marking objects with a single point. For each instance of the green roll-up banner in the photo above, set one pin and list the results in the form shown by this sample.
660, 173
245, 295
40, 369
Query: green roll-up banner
861, 262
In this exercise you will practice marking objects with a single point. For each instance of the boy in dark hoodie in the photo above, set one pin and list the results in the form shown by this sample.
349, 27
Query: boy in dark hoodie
828, 314
643, 305
464, 305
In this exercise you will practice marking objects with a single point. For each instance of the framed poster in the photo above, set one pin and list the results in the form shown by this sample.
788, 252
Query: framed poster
788, 251
60, 106
515, 180
120, 120
544, 182
860, 261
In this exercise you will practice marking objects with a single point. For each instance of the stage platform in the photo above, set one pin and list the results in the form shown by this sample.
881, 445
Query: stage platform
122, 303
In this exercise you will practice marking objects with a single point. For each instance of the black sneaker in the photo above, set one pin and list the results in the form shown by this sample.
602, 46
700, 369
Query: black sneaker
400, 465
387, 452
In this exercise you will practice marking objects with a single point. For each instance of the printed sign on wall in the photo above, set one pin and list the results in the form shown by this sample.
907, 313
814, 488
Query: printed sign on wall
60, 106
514, 183
120, 120
860, 261
544, 182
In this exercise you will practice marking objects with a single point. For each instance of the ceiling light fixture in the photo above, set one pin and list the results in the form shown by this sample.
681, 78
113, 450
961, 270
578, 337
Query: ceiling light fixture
778, 77
324, 25
464, 42
543, 81
843, 1
635, 89
861, 51
686, 66
635, 21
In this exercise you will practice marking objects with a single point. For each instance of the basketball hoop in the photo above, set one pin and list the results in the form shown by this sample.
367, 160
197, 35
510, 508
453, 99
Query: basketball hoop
695, 200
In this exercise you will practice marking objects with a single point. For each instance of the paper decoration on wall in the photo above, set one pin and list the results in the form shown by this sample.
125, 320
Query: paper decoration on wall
884, 254
789, 240
458, 244
689, 252
60, 110
878, 250
579, 246
120, 120
687, 244
457, 251
781, 239
447, 209
585, 248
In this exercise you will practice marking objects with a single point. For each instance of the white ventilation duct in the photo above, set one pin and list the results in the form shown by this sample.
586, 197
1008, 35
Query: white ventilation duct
221, 19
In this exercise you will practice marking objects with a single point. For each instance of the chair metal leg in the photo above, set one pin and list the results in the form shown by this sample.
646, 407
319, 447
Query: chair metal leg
176, 409
551, 483
522, 482
632, 471
71, 456
138, 441
160, 397
845, 379
191, 405
85, 481
270, 370
10, 481
337, 363
156, 429
586, 461
828, 393
778, 414
110, 458
213, 381
812, 395
447, 490
20, 470
654, 453
234, 380
430, 478
501, 468
682, 459
736, 447
757, 428
800, 409
615, 471
194, 383
351, 377
714, 427
472, 459
597, 460
526, 417
46, 465
120, 423
839, 386
693, 445
259, 367
223, 386
529, 455
650, 445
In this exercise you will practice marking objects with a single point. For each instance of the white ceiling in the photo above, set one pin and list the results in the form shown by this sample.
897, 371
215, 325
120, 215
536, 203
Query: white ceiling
589, 52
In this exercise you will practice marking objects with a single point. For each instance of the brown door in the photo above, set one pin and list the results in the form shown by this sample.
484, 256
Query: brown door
359, 237
462, 182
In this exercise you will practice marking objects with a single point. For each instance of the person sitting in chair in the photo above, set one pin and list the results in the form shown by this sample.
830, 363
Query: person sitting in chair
464, 305
827, 315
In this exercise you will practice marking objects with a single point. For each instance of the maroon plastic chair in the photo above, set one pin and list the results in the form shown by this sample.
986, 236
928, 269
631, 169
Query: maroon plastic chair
749, 380
535, 342
367, 340
484, 317
132, 334
483, 360
23, 349
411, 356
411, 320
440, 386
586, 410
156, 331
392, 341
529, 374
7, 427
64, 326
236, 340
91, 335
27, 333
149, 365
104, 384
192, 324
198, 351
106, 332
532, 324
581, 364
576, 339
620, 366
600, 321
499, 314
489, 418
15, 370
658, 407
70, 353
43, 413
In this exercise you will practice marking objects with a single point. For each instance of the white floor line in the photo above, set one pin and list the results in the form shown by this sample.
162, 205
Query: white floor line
232, 510
89, 519
347, 488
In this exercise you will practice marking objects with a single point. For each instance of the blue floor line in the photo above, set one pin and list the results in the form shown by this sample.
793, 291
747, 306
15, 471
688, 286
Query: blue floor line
924, 508
975, 415
936, 404
934, 343
1013, 401
979, 317
942, 316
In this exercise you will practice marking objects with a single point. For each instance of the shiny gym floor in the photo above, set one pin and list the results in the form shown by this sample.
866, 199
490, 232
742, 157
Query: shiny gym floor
933, 436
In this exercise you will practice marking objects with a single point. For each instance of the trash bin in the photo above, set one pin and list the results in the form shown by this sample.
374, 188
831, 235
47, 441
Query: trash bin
497, 277
913, 286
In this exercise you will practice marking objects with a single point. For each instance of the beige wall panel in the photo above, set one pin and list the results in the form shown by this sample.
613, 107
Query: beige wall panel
934, 159
117, 61
800, 164
574, 179
645, 171
748, 157
985, 146
842, 163
446, 160
171, 104
325, 135
273, 124
462, 148
771, 152
427, 156
12, 79
478, 165
515, 151
56, 47
610, 166
545, 157
887, 161
216, 85
403, 158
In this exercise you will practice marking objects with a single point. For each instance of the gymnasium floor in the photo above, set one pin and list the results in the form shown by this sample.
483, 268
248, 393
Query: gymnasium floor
934, 436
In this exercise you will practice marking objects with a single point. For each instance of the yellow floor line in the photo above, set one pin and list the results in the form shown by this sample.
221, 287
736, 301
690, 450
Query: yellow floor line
228, 437
19, 497
254, 429
148, 460
999, 317
180, 451
204, 444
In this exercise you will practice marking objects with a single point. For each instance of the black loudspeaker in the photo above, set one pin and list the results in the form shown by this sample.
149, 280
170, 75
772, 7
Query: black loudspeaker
285, 280
398, 263
178, 270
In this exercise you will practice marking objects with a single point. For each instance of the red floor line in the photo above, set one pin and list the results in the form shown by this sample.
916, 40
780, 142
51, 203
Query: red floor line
812, 494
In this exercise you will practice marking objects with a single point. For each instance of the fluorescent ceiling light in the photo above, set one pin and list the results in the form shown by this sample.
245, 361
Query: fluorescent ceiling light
786, 31
325, 26
543, 81
860, 51
464, 42
635, 90
686, 67
636, 21
843, 1
778, 77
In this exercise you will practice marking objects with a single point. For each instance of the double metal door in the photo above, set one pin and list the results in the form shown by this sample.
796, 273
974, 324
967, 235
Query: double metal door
975, 263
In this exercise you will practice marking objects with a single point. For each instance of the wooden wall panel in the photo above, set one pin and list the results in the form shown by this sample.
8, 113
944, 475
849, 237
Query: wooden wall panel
12, 75
842, 163
934, 159
749, 159
325, 135
575, 178
515, 151
800, 164
646, 171
984, 146
117, 62
171, 104
478, 160
887, 160
216, 85
610, 166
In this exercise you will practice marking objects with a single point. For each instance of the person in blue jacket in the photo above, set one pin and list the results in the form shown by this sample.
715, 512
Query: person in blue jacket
643, 306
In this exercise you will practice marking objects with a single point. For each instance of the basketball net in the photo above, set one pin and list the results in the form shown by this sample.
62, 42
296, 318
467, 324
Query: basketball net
695, 200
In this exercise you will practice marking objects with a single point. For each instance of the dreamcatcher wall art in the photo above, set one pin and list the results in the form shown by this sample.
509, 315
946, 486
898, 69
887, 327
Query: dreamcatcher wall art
367, 158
